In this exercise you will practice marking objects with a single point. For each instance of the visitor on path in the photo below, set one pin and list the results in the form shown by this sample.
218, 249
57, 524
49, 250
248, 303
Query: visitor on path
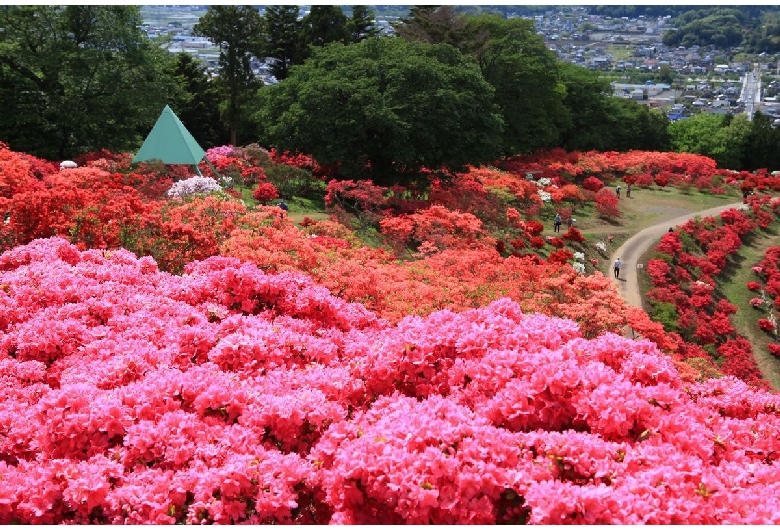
570, 222
557, 224
628, 191
618, 264
283, 205
617, 190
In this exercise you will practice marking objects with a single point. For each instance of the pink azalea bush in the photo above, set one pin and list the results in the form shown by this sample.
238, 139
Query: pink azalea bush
228, 395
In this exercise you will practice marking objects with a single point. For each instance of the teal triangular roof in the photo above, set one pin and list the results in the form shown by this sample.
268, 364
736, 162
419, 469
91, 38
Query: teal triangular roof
171, 142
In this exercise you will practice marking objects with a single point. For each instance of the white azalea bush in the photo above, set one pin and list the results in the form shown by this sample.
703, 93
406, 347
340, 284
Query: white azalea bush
192, 186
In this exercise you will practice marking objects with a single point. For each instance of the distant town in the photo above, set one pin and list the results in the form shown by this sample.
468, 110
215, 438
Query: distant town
681, 80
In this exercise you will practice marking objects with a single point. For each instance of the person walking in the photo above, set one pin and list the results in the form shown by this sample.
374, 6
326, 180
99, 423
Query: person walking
617, 190
628, 191
557, 224
618, 265
570, 222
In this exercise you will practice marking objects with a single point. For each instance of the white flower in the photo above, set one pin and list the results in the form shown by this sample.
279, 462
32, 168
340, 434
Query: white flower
579, 267
546, 197
193, 185
601, 246
579, 256
543, 182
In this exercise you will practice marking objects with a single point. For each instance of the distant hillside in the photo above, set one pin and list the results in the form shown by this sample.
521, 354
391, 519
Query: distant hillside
754, 28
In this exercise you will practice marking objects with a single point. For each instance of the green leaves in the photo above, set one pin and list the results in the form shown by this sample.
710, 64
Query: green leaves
78, 78
383, 109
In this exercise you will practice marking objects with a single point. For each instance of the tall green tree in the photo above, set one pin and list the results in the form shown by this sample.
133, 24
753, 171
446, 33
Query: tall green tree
238, 31
435, 25
763, 145
722, 138
514, 59
74, 79
585, 101
198, 109
282, 38
631, 125
361, 24
384, 108
323, 25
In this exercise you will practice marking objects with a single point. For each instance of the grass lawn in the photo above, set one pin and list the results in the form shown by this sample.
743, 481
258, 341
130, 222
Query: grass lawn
647, 207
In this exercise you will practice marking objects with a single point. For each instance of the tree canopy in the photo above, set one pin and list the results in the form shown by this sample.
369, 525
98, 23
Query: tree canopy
524, 74
238, 31
722, 138
282, 38
198, 108
75, 79
384, 108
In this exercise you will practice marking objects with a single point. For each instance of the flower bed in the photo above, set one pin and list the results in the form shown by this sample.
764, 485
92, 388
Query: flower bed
228, 395
683, 292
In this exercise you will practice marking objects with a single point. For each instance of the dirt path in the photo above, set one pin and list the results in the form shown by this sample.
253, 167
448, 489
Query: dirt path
632, 250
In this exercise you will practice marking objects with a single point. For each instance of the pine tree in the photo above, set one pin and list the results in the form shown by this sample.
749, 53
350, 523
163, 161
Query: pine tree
361, 25
282, 39
325, 24
238, 31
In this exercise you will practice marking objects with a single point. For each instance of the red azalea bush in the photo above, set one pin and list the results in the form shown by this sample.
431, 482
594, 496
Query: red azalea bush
556, 242
607, 204
436, 227
592, 184
228, 395
573, 235
699, 316
265, 192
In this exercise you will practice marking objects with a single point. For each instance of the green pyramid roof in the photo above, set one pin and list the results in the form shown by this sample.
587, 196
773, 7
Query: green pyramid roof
171, 142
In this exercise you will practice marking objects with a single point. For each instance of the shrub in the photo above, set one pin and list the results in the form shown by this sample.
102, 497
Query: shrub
265, 192
607, 204
592, 184
290, 181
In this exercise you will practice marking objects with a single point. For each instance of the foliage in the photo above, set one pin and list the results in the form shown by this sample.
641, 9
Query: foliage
290, 180
361, 24
323, 25
79, 78
720, 27
604, 123
228, 395
607, 204
237, 30
515, 61
358, 107
717, 137
199, 108
282, 38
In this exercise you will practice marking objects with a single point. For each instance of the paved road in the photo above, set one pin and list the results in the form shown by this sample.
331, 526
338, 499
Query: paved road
632, 250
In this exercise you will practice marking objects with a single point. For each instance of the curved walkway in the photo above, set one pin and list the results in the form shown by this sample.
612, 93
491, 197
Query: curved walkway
632, 250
